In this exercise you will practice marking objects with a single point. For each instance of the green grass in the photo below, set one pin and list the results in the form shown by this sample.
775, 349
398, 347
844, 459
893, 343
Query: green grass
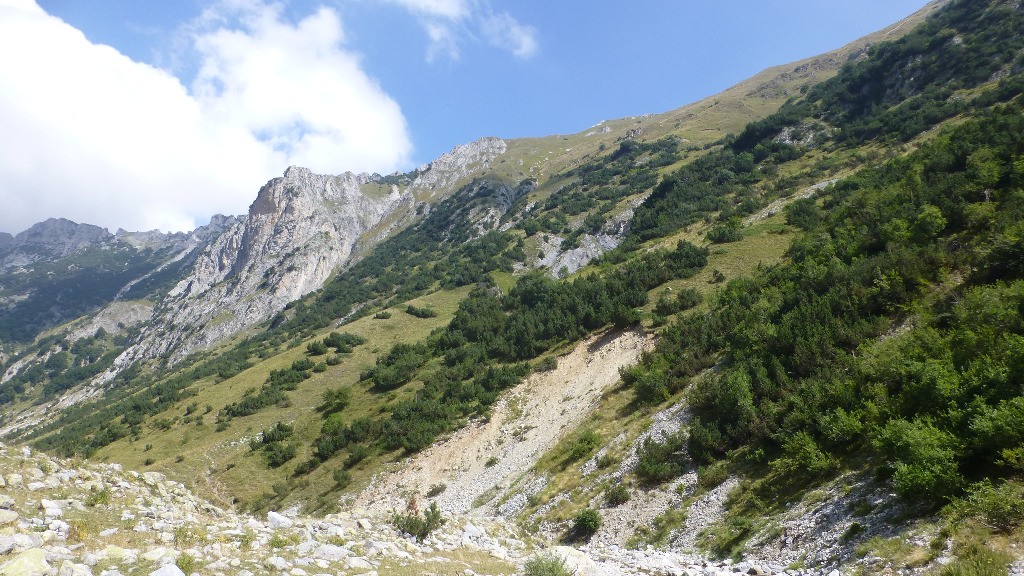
545, 565
449, 563
220, 465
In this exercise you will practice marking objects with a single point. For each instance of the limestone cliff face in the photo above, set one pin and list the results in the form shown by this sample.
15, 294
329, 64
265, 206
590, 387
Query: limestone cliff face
300, 229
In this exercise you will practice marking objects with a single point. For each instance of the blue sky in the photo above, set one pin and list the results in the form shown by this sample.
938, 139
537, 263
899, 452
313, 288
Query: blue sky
201, 101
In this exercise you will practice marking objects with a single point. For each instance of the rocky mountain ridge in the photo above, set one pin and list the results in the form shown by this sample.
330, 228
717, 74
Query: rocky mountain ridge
238, 271
301, 229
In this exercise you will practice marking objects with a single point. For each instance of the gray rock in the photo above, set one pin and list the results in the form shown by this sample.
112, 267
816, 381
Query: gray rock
473, 531
277, 563
8, 517
168, 570
357, 562
331, 552
31, 562
59, 526
278, 521
576, 561
68, 568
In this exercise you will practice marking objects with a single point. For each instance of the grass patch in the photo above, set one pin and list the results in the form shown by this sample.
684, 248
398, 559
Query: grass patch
546, 564
659, 531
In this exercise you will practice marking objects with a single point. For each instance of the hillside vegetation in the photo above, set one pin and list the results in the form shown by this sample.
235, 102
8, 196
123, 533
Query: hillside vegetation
837, 287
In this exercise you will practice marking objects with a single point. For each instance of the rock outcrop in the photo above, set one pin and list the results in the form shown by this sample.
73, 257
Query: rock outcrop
50, 240
301, 228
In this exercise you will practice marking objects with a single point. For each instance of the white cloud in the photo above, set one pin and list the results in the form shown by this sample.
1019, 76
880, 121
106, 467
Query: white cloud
93, 136
446, 22
442, 41
450, 9
506, 32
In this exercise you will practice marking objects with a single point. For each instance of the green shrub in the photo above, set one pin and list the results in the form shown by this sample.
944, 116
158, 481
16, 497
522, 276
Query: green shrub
186, 563
585, 442
923, 459
660, 461
688, 298
586, 523
382, 315
335, 400
343, 342
978, 560
357, 454
436, 489
341, 477
711, 476
666, 306
545, 564
420, 312
852, 531
97, 497
546, 364
1001, 507
306, 467
617, 495
420, 526
801, 457
316, 348
724, 233
277, 454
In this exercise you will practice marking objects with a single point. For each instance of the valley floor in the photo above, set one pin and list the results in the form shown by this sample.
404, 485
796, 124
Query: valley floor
77, 519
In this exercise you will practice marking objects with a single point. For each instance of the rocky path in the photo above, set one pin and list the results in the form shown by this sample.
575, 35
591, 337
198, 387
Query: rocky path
62, 518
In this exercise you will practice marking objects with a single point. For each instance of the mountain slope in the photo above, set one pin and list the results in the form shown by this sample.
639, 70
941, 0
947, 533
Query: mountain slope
835, 295
239, 300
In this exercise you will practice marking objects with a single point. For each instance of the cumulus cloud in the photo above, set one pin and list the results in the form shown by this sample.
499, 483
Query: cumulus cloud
446, 22
93, 136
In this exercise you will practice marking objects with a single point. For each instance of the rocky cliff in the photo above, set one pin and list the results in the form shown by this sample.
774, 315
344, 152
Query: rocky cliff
49, 240
301, 228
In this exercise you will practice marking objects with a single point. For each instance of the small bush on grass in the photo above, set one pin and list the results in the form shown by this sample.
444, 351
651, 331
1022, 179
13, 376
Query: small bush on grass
617, 495
546, 564
585, 524
186, 563
978, 560
418, 526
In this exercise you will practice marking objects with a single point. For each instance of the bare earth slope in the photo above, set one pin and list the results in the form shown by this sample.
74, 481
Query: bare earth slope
525, 424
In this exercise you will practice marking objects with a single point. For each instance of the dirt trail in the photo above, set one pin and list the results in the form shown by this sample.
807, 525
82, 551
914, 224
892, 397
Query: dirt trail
486, 458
